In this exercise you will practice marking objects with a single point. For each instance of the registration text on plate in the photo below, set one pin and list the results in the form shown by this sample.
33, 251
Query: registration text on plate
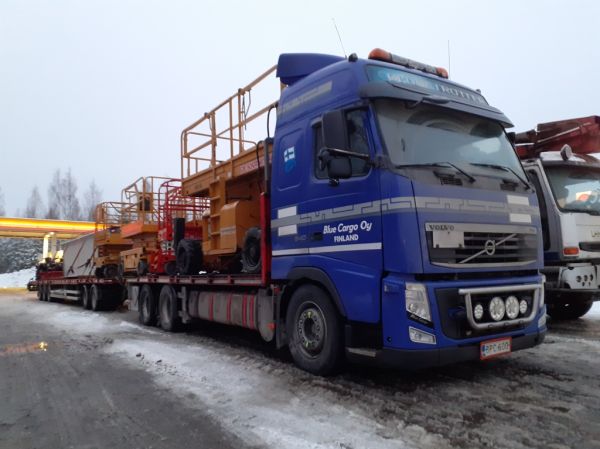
494, 348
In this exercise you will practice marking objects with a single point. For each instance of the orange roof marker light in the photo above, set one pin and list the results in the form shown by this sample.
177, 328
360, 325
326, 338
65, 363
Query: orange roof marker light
386, 56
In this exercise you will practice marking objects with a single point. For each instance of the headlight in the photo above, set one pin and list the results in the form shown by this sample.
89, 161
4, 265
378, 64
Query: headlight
417, 302
497, 308
523, 307
512, 307
478, 311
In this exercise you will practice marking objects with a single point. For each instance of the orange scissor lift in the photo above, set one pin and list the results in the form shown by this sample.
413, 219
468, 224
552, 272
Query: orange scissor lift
108, 239
233, 185
139, 218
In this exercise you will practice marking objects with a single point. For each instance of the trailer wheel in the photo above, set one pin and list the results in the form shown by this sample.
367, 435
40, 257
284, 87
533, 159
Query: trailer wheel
189, 256
142, 268
168, 309
47, 293
147, 306
569, 311
251, 262
40, 293
314, 331
96, 294
86, 300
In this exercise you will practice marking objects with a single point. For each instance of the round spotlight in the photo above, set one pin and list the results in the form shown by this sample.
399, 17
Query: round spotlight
478, 311
512, 307
497, 308
591, 277
578, 279
585, 277
523, 307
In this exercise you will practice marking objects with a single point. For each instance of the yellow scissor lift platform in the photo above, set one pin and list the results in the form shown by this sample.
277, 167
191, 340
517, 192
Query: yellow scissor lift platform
108, 240
233, 185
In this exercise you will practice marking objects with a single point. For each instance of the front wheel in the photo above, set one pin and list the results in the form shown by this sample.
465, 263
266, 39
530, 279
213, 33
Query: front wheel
569, 311
314, 331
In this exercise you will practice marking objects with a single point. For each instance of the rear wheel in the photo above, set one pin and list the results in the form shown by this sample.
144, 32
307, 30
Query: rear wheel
86, 300
314, 331
168, 309
147, 306
569, 311
97, 298
251, 262
189, 256
40, 292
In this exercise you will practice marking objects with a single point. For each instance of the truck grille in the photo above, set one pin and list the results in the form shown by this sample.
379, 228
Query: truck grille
484, 248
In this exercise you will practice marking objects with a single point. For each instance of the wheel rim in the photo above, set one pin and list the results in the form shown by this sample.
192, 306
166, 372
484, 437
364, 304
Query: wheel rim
311, 329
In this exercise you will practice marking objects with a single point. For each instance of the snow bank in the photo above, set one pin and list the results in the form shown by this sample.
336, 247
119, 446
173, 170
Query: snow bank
17, 278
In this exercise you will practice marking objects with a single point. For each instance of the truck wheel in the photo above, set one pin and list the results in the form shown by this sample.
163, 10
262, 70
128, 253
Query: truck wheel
142, 268
147, 306
40, 293
86, 300
96, 294
251, 262
314, 331
569, 311
189, 256
168, 309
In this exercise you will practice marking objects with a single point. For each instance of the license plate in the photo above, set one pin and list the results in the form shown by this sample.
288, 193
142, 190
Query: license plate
494, 348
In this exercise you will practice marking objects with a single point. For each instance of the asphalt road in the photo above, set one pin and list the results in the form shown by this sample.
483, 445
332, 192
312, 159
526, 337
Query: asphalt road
71, 378
59, 390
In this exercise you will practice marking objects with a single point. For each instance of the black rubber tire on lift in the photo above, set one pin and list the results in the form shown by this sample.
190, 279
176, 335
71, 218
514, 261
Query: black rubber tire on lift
168, 309
110, 271
147, 306
569, 311
171, 268
142, 268
99, 272
251, 261
86, 300
96, 298
189, 256
314, 331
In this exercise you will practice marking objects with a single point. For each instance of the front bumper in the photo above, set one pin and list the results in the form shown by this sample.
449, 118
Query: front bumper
415, 359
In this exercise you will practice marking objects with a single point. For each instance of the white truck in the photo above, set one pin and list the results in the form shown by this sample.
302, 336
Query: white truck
562, 160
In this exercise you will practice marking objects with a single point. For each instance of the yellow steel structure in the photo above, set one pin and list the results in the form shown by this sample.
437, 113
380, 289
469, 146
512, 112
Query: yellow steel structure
34, 228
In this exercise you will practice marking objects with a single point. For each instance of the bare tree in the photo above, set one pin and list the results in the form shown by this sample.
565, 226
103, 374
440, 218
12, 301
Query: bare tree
35, 204
54, 196
70, 208
91, 198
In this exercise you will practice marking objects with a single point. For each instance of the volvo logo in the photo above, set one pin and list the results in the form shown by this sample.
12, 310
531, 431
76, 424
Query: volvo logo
489, 247
439, 227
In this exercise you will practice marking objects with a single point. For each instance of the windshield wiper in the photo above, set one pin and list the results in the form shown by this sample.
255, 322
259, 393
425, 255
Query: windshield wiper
505, 168
470, 177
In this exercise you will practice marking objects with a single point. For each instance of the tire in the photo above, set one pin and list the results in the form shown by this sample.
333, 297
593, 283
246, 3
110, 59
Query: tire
110, 271
251, 261
96, 298
47, 294
189, 256
86, 300
168, 309
40, 293
569, 311
142, 268
314, 331
171, 268
147, 306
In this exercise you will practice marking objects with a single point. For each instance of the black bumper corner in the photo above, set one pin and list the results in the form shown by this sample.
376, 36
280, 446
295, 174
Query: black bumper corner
406, 359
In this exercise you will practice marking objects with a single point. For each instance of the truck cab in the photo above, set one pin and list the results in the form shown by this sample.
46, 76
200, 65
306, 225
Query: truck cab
559, 160
397, 194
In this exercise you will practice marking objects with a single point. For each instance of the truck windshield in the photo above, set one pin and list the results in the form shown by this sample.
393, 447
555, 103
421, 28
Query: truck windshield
575, 189
426, 134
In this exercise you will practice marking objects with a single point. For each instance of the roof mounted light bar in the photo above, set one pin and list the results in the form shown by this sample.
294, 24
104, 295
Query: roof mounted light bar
386, 56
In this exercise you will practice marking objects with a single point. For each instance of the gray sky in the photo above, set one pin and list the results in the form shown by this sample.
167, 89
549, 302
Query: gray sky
105, 87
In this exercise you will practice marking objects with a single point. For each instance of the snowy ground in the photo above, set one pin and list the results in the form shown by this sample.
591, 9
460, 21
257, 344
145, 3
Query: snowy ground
545, 397
17, 279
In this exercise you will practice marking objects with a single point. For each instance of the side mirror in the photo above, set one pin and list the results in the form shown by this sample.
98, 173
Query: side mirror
338, 167
335, 132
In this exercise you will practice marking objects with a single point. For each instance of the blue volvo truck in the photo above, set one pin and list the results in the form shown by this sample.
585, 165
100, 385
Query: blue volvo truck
397, 224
